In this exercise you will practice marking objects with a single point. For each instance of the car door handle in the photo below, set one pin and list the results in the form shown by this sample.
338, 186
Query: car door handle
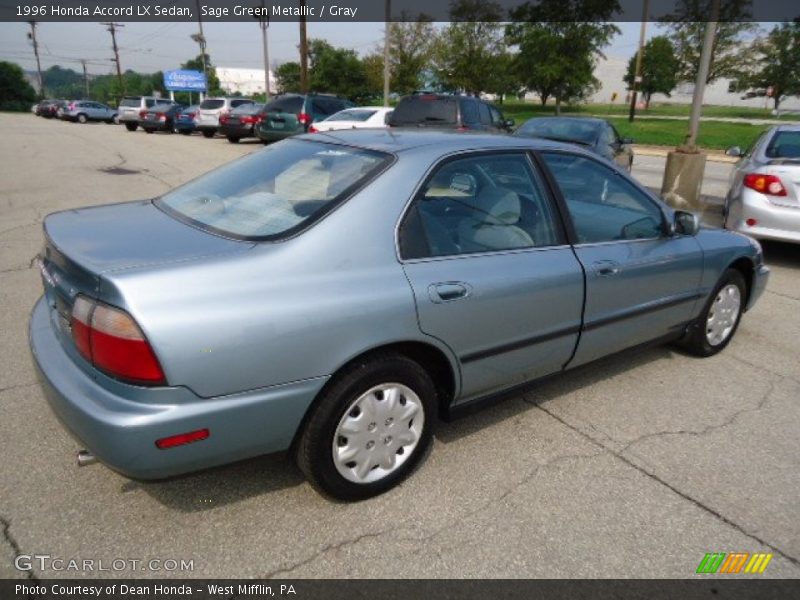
448, 291
606, 268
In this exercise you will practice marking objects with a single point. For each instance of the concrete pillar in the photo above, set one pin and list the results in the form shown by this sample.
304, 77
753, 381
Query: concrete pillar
683, 177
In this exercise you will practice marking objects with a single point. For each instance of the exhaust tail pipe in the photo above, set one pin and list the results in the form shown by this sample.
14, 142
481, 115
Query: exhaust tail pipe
86, 458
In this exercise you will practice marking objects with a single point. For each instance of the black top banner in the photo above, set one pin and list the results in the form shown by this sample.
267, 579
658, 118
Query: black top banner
399, 10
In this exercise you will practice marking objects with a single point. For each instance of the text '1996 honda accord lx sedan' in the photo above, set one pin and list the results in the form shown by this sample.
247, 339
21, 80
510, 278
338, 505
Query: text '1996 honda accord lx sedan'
334, 294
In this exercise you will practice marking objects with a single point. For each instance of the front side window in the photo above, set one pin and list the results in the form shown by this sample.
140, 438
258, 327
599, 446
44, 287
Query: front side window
603, 205
276, 191
484, 203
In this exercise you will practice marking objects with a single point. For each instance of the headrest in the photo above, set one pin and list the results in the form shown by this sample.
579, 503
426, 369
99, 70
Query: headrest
502, 206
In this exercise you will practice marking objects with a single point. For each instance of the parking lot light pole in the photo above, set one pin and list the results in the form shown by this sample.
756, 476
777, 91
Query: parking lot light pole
683, 173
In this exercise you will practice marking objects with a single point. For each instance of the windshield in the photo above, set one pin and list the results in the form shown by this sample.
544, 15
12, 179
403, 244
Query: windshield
352, 115
568, 129
212, 104
785, 144
276, 191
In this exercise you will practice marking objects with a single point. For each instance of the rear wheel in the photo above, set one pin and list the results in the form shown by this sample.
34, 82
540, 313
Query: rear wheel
233, 139
209, 133
185, 131
131, 126
82, 118
148, 131
720, 317
372, 426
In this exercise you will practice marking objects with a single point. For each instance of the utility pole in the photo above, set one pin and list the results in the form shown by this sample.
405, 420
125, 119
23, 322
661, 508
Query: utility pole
85, 78
637, 73
32, 38
200, 38
112, 27
303, 49
386, 41
264, 22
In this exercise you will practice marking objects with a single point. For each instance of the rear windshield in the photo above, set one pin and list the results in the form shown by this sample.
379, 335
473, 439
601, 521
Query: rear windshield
247, 109
785, 144
276, 191
293, 104
134, 101
425, 109
212, 104
356, 114
568, 129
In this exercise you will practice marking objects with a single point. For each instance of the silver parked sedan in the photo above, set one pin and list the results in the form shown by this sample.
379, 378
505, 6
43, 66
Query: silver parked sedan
764, 196
336, 293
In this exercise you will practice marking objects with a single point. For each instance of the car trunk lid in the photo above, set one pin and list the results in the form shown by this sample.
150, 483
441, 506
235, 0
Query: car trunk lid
788, 171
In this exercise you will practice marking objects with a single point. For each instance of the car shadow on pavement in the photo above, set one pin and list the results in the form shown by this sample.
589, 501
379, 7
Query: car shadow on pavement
229, 484
224, 485
781, 254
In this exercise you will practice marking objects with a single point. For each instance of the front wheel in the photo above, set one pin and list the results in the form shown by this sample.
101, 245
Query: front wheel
82, 118
208, 133
373, 424
720, 318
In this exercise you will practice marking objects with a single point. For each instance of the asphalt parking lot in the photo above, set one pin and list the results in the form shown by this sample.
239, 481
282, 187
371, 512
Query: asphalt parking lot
634, 466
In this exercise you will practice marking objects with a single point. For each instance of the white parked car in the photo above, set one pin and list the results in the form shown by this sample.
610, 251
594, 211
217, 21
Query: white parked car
360, 117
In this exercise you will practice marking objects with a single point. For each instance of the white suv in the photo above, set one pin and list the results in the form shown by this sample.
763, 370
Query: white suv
131, 106
211, 109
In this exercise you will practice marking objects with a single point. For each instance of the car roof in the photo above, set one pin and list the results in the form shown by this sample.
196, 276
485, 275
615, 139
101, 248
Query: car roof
397, 140
592, 120
787, 127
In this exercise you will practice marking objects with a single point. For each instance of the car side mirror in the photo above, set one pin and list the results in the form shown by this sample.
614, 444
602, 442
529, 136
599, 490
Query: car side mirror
734, 151
509, 123
685, 223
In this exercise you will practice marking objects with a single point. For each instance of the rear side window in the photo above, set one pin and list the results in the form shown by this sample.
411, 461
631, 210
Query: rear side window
354, 114
212, 104
149, 103
132, 101
433, 110
274, 192
784, 144
469, 111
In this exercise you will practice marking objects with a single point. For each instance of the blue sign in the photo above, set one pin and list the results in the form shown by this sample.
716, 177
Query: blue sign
185, 81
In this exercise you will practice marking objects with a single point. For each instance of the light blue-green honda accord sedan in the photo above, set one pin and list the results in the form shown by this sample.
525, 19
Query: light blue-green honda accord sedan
335, 294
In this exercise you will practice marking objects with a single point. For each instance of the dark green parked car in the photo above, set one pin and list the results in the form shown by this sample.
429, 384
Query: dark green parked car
292, 114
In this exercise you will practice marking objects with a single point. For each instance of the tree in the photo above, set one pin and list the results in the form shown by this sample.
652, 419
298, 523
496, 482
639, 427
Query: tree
288, 76
463, 52
373, 70
659, 69
558, 42
503, 80
15, 91
730, 53
337, 71
63, 83
776, 66
410, 44
196, 64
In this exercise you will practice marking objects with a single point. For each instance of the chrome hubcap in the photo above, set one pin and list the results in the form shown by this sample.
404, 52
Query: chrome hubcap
723, 314
378, 433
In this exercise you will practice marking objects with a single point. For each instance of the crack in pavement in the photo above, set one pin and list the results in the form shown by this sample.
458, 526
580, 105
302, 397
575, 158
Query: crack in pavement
783, 295
17, 386
719, 516
763, 368
12, 542
729, 421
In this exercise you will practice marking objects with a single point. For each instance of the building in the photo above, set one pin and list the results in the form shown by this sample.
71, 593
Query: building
244, 81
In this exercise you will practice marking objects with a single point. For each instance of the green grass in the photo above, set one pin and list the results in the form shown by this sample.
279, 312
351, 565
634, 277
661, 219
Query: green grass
714, 135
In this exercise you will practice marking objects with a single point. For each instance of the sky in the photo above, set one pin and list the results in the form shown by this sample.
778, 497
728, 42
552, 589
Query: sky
149, 47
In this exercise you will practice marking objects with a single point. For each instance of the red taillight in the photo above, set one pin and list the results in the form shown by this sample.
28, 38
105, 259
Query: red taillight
142, 113
304, 118
313, 129
111, 340
247, 119
182, 438
766, 184
751, 222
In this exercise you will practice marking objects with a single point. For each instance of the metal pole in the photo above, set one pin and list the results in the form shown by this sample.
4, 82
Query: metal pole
637, 74
690, 144
303, 49
264, 22
386, 41
32, 36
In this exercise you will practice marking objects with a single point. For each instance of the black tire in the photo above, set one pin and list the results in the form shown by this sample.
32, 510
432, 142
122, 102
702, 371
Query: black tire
233, 139
208, 133
696, 340
313, 450
81, 118
131, 126
185, 132
148, 130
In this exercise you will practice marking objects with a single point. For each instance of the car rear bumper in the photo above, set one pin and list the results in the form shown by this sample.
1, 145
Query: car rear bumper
119, 423
772, 222
272, 135
237, 130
